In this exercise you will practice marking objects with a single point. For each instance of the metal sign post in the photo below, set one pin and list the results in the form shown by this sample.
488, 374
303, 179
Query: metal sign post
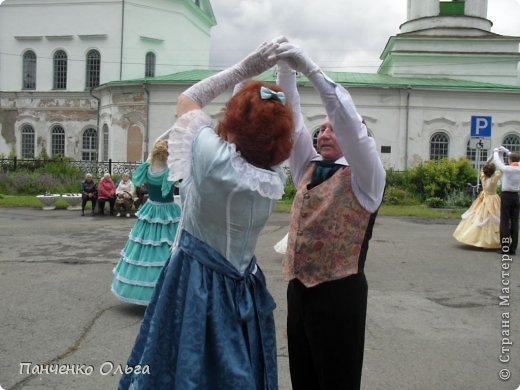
480, 138
479, 146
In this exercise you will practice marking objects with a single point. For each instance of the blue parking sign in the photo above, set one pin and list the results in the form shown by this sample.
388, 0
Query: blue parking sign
481, 126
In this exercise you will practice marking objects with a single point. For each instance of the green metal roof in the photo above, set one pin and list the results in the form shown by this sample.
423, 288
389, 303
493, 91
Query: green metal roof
382, 80
343, 78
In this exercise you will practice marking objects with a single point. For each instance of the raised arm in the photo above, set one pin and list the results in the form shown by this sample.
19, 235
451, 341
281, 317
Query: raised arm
498, 157
303, 149
203, 92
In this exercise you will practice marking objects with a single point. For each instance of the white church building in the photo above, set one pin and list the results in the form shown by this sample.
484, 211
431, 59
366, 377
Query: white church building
53, 54
91, 81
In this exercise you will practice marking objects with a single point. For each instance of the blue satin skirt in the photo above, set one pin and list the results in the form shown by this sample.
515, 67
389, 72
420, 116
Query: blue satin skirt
206, 327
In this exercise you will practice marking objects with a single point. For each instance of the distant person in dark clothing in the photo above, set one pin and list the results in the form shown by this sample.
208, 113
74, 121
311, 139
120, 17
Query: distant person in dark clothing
509, 202
88, 193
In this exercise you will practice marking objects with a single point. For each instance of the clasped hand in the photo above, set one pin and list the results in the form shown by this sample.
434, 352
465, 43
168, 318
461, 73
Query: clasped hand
501, 149
280, 49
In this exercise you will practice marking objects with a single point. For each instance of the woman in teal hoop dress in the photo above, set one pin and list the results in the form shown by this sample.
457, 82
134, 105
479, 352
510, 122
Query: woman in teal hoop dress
210, 322
150, 240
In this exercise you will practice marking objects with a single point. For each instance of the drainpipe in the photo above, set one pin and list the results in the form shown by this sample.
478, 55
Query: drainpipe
97, 119
147, 124
407, 127
122, 40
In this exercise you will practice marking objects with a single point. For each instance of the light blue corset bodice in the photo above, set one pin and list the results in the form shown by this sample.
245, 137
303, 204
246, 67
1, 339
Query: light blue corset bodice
220, 208
227, 201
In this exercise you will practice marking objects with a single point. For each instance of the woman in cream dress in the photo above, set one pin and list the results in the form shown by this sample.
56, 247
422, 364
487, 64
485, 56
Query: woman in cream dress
480, 225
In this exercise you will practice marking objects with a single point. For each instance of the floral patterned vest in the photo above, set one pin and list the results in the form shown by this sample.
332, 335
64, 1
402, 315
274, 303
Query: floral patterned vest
328, 232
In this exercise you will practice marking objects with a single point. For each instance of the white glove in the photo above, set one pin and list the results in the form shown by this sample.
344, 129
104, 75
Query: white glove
296, 58
261, 59
283, 67
255, 63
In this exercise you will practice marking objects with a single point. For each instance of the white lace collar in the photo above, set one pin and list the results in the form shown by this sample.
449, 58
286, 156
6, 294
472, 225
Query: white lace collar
268, 183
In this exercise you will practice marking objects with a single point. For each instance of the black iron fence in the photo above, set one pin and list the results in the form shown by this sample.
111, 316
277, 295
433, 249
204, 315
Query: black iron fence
96, 168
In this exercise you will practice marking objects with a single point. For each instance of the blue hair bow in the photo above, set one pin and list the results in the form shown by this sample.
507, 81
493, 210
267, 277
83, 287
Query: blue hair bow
267, 94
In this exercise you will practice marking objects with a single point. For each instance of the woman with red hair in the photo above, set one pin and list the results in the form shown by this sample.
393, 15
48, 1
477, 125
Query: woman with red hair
210, 323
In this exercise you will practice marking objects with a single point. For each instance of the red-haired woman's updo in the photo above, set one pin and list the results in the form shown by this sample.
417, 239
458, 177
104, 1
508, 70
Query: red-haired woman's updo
260, 129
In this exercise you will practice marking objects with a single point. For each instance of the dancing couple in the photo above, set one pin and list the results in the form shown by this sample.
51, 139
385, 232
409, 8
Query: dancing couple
210, 324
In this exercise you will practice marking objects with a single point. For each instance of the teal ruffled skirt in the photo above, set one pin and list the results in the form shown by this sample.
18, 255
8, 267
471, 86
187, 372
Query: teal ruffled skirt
146, 252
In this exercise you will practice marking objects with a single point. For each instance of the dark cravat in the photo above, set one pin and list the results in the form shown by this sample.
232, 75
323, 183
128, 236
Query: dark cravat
324, 170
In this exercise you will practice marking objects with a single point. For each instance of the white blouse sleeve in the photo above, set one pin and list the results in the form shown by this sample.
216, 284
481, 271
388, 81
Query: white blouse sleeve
180, 141
303, 150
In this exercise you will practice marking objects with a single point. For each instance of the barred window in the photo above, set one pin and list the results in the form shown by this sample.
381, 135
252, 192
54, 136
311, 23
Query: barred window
93, 68
150, 65
511, 142
58, 141
439, 144
315, 138
60, 70
29, 70
89, 145
471, 154
27, 142
105, 142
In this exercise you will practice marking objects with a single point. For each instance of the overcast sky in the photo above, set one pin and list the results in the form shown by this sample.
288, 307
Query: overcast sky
343, 35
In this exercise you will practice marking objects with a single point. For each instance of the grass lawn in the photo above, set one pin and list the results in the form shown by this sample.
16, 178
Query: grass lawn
27, 201
420, 211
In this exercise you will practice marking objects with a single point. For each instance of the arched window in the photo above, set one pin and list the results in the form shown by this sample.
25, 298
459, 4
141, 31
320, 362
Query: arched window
512, 142
150, 65
27, 141
93, 69
439, 143
315, 138
471, 154
60, 70
89, 145
29, 70
57, 141
105, 142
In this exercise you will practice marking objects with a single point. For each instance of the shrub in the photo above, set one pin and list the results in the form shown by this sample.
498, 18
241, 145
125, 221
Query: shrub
61, 169
437, 179
399, 197
458, 199
289, 191
26, 183
435, 202
44, 175
399, 179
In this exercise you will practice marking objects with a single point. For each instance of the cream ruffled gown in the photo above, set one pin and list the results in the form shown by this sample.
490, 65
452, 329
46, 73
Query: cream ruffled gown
480, 225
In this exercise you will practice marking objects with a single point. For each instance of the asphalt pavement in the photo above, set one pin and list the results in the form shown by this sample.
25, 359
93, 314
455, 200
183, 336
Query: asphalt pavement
441, 316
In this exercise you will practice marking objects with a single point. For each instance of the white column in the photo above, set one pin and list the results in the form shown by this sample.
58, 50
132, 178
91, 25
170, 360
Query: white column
422, 8
476, 8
